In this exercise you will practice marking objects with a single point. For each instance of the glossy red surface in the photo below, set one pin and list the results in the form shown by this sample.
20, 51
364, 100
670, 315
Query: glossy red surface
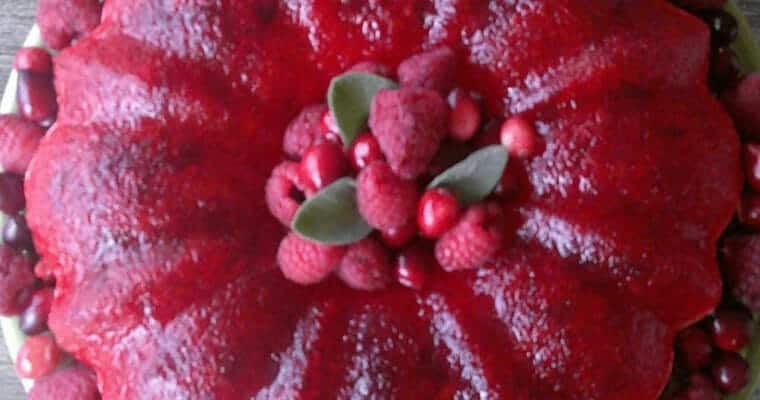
147, 200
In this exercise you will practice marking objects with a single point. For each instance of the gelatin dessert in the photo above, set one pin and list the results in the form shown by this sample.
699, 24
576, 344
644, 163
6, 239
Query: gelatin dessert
367, 199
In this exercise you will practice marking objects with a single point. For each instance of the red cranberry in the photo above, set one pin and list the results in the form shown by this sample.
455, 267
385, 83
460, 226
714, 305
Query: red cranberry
36, 97
465, 116
412, 266
438, 211
519, 137
38, 357
33, 320
399, 237
11, 193
752, 165
35, 59
731, 329
723, 26
723, 70
749, 211
364, 150
694, 347
700, 387
324, 163
16, 233
730, 372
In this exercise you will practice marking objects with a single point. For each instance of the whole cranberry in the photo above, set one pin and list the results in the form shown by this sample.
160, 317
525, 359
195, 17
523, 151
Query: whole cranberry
323, 164
412, 266
35, 59
465, 116
730, 372
16, 233
694, 347
699, 387
11, 193
364, 150
731, 329
33, 320
36, 97
752, 165
38, 357
399, 237
438, 211
519, 137
749, 211
723, 26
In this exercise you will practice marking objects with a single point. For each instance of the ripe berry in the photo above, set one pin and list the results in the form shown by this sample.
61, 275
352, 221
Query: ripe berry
700, 387
412, 266
694, 348
366, 266
519, 137
438, 211
474, 240
38, 357
16, 233
364, 151
62, 21
35, 59
285, 190
398, 237
723, 26
465, 116
731, 329
36, 97
730, 372
11, 193
19, 139
385, 200
749, 211
17, 281
752, 165
323, 164
304, 131
73, 383
432, 70
742, 103
741, 267
33, 320
724, 72
306, 262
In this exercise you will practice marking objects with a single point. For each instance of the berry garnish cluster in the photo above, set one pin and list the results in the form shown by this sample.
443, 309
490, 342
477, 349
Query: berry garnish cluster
377, 186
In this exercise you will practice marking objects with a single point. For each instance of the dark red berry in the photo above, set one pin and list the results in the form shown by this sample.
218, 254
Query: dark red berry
399, 237
11, 193
16, 233
433, 70
412, 266
364, 150
323, 164
752, 165
699, 387
730, 372
749, 211
723, 26
306, 262
741, 267
519, 137
509, 185
38, 357
465, 116
33, 320
731, 329
694, 348
36, 97
366, 266
35, 59
17, 281
742, 102
437, 212
724, 71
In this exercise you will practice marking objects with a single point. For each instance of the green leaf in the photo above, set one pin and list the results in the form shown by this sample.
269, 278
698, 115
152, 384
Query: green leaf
350, 97
332, 216
475, 177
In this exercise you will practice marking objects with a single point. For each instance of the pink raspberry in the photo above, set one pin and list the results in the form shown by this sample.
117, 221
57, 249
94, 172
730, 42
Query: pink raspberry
369, 67
63, 21
386, 201
306, 262
17, 281
741, 267
285, 190
305, 130
409, 125
433, 70
74, 383
366, 266
19, 139
474, 241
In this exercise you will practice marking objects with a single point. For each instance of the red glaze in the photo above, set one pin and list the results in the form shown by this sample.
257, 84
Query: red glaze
323, 164
37, 357
437, 212
364, 150
147, 200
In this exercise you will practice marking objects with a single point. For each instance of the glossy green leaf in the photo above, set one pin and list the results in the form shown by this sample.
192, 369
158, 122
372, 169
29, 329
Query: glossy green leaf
350, 97
475, 177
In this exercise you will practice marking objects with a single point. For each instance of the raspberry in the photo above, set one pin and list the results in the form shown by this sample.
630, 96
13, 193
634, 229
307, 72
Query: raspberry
366, 266
741, 267
431, 70
474, 240
19, 140
16, 281
305, 130
285, 190
63, 21
306, 262
34, 59
742, 103
409, 125
386, 201
38, 357
369, 67
74, 383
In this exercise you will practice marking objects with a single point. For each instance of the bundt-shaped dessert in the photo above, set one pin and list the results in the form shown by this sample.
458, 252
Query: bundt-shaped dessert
147, 202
